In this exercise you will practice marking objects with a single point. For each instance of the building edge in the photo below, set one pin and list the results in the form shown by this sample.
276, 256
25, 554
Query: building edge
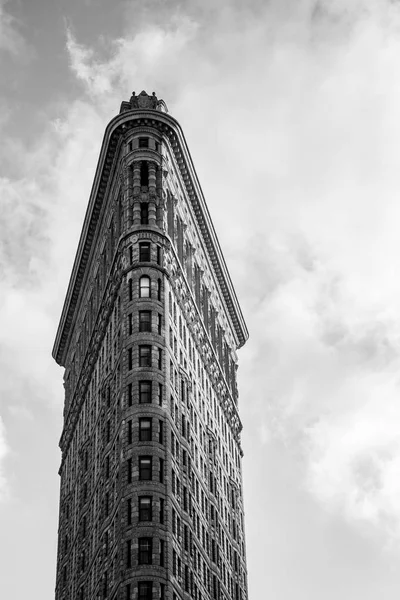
115, 130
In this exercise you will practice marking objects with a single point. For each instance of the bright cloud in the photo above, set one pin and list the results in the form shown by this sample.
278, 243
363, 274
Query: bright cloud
297, 106
3, 453
11, 39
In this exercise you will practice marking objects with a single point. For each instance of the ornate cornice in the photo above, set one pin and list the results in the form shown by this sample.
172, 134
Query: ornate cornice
116, 129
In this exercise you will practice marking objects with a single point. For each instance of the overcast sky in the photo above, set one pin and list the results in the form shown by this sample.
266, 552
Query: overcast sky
291, 109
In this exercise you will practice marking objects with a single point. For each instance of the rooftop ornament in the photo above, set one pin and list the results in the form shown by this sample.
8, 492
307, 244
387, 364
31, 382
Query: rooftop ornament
144, 102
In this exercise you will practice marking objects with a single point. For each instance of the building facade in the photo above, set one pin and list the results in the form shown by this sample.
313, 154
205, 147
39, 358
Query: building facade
151, 503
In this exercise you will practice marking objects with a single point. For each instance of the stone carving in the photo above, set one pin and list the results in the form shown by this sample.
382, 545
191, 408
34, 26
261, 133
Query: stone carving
144, 101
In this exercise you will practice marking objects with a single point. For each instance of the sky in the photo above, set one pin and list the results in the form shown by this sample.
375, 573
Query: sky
291, 110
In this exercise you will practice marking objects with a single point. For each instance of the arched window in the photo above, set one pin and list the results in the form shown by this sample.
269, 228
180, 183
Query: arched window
144, 287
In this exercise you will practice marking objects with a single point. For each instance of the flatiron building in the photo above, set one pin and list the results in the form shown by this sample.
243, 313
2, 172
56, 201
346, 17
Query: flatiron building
151, 497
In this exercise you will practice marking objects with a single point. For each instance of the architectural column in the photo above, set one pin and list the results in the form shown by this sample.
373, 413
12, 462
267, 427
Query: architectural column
136, 192
152, 193
129, 195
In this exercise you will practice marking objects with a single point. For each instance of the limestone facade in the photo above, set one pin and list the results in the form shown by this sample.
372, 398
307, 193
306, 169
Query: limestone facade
151, 503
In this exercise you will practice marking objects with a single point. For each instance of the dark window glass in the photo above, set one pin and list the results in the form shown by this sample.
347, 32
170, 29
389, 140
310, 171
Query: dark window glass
144, 392
144, 213
130, 289
144, 174
160, 432
129, 467
161, 510
144, 252
128, 554
144, 356
144, 429
161, 473
130, 394
145, 508
145, 471
159, 255
160, 394
162, 553
160, 358
130, 436
144, 287
159, 289
128, 592
144, 320
129, 511
130, 324
159, 324
129, 358
145, 590
145, 551
143, 142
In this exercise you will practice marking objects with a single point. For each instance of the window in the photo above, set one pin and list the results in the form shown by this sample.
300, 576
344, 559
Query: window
143, 142
144, 213
145, 429
159, 358
144, 287
129, 358
128, 592
145, 551
130, 324
128, 554
145, 590
130, 394
144, 356
129, 511
161, 510
144, 392
144, 174
145, 320
144, 252
130, 255
159, 324
130, 291
162, 553
158, 255
161, 473
160, 432
145, 508
129, 468
130, 436
145, 468
159, 289
160, 394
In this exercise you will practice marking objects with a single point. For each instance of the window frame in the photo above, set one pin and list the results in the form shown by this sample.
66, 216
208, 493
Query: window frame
143, 469
144, 287
144, 251
145, 394
145, 551
145, 355
145, 513
145, 325
145, 433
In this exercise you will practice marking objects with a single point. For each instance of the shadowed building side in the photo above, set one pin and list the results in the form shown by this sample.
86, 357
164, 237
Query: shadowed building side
151, 503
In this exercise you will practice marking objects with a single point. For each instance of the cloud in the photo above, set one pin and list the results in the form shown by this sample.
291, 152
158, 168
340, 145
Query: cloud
296, 106
11, 40
3, 453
